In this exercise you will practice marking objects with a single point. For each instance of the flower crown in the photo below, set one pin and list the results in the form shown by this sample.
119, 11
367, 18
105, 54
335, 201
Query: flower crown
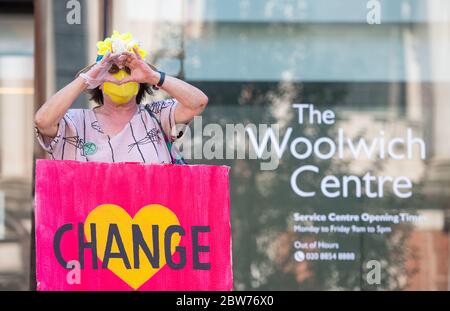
119, 43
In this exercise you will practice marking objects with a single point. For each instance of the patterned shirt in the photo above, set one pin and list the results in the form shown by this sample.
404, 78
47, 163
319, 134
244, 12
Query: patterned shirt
81, 138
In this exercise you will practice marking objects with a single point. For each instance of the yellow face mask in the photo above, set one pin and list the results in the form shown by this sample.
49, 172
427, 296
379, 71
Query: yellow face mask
121, 94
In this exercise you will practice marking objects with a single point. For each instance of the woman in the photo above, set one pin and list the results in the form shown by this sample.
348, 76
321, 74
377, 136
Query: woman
121, 128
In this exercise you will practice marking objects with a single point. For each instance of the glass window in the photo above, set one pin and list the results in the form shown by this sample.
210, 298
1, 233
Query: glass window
16, 148
382, 71
255, 59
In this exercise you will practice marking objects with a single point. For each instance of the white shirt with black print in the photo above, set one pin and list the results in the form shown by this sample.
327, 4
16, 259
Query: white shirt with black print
81, 138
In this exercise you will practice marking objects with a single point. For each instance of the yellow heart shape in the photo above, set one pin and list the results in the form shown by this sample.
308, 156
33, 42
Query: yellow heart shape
106, 214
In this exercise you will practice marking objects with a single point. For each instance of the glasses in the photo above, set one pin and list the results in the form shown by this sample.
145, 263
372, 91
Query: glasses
115, 69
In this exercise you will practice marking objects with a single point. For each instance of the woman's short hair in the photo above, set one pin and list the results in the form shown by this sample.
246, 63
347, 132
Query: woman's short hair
97, 95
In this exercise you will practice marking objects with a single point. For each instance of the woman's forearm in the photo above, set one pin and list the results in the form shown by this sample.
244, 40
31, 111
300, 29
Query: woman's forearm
52, 111
193, 101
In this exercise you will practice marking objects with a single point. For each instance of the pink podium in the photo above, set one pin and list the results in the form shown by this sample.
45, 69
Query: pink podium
132, 226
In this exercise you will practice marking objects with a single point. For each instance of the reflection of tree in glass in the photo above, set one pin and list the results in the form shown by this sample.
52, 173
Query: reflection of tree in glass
262, 206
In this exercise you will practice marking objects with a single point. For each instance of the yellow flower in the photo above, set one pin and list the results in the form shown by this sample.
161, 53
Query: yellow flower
141, 52
104, 46
125, 39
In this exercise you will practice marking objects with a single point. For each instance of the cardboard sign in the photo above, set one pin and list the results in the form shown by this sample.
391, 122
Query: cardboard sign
132, 226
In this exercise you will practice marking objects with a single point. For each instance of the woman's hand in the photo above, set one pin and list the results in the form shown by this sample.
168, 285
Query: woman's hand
141, 72
99, 72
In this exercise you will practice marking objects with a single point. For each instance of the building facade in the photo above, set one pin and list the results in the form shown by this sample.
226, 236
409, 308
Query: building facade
380, 65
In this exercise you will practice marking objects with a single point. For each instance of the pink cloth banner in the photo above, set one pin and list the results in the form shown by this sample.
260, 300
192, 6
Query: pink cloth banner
132, 226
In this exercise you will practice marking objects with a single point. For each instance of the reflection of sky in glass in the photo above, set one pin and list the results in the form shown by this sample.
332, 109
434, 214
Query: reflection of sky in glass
303, 40
167, 10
